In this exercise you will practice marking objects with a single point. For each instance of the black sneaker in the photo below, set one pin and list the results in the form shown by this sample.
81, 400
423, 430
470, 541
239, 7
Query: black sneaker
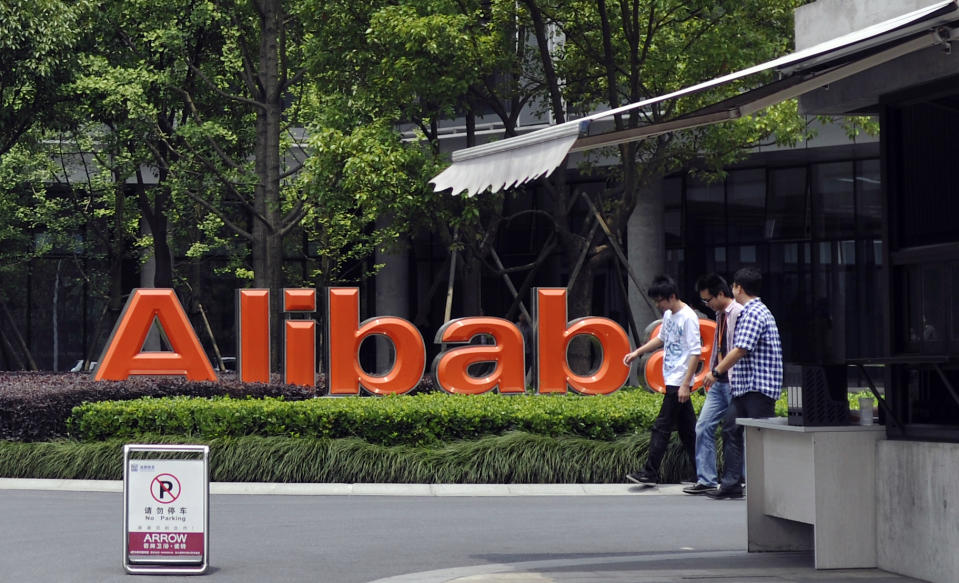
698, 488
726, 493
642, 478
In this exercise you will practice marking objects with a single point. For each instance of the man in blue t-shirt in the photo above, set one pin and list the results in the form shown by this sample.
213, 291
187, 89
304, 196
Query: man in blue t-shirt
755, 367
681, 344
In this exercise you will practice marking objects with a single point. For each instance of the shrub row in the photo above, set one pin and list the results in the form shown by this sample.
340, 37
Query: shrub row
413, 420
512, 458
35, 406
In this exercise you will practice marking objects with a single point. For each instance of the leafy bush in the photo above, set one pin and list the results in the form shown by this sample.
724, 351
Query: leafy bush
35, 406
420, 419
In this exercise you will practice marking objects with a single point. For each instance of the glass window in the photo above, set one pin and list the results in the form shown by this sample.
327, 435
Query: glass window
746, 206
791, 253
786, 290
933, 307
715, 260
869, 198
847, 253
825, 253
910, 292
705, 214
787, 207
834, 200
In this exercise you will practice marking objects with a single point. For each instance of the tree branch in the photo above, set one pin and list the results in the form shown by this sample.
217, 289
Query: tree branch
223, 93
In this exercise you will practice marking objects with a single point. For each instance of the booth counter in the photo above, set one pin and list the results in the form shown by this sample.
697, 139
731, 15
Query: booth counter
813, 488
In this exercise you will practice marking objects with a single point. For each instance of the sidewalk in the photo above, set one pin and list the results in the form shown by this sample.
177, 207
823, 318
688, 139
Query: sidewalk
692, 567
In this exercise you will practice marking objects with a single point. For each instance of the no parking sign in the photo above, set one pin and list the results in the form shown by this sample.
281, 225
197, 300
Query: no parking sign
166, 493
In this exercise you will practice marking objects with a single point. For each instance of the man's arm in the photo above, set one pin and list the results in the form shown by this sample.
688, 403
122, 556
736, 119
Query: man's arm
688, 378
654, 344
727, 363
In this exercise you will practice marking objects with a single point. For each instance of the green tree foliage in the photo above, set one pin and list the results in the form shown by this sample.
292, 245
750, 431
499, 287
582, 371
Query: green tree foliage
37, 59
37, 41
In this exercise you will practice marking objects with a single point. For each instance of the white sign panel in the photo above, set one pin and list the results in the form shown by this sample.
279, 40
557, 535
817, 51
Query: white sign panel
166, 510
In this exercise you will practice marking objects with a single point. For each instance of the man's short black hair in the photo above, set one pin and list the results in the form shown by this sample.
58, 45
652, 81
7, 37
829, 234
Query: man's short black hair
663, 288
715, 284
750, 280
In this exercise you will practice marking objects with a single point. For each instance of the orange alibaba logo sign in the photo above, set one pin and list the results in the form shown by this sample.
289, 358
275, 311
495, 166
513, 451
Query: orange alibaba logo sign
124, 356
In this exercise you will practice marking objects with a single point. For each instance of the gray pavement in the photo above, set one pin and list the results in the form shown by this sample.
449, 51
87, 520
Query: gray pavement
62, 531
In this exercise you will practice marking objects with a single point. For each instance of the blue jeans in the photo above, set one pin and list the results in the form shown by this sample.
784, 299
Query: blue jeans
713, 411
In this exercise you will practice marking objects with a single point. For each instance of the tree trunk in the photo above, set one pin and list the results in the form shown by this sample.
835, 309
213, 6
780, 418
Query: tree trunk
162, 254
267, 236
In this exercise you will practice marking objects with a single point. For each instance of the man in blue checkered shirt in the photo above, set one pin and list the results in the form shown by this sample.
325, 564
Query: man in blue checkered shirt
755, 367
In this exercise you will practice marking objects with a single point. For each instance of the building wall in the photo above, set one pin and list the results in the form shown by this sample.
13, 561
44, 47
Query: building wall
828, 19
918, 509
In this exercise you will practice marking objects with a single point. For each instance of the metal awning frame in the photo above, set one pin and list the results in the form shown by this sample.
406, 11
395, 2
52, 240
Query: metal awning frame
759, 99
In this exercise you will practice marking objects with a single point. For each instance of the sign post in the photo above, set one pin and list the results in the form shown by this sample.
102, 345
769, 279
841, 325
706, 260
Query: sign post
166, 509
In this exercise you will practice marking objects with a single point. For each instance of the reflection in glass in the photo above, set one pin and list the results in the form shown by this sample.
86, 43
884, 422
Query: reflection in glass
787, 215
869, 198
746, 205
705, 213
834, 200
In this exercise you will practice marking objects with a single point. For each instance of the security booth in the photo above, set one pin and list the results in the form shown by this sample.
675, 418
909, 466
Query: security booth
166, 509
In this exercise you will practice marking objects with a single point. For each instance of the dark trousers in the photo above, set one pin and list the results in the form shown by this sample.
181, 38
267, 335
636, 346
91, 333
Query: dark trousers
672, 415
751, 404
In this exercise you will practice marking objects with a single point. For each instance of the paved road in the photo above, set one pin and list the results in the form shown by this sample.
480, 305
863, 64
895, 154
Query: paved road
60, 536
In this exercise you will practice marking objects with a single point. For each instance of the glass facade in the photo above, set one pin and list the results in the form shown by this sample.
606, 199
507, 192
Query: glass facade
814, 230
922, 202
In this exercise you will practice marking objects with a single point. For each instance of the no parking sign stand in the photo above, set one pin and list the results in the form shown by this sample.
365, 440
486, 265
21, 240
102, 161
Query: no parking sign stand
166, 509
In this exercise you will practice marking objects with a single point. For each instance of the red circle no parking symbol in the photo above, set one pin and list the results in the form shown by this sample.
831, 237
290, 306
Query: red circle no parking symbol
165, 488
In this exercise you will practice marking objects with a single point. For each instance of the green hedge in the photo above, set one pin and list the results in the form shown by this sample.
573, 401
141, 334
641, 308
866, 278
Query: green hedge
413, 420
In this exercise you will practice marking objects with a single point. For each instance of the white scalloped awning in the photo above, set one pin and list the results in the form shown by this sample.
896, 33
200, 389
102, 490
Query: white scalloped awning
514, 161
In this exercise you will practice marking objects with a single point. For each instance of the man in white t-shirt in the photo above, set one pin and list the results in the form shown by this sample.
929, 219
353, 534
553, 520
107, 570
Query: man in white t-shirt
679, 338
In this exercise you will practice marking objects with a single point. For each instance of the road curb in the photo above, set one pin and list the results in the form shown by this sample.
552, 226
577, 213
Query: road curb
336, 489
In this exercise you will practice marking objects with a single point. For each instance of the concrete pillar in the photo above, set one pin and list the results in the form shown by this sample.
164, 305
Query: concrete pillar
646, 250
918, 509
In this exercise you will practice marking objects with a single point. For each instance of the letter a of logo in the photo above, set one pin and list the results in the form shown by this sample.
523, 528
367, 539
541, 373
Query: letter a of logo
123, 356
